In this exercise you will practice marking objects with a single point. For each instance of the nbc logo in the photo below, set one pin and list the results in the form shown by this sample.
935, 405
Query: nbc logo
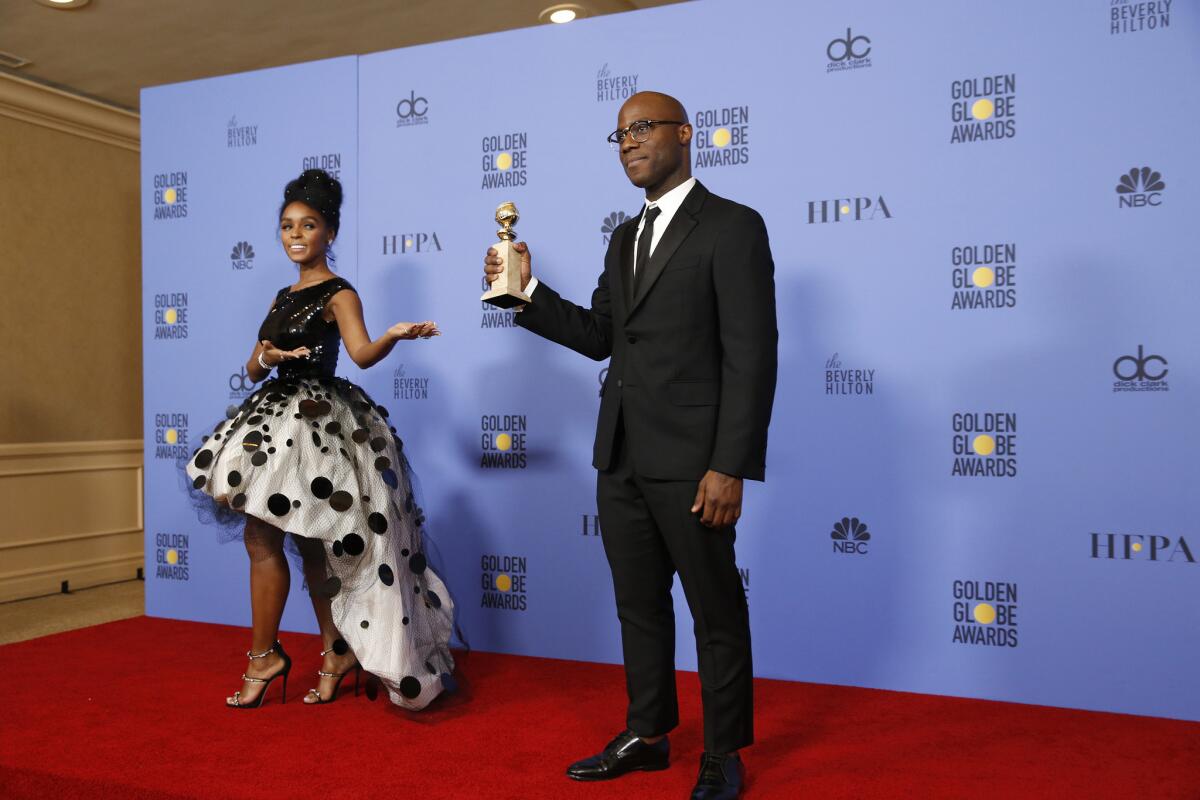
1139, 188
610, 224
242, 256
850, 535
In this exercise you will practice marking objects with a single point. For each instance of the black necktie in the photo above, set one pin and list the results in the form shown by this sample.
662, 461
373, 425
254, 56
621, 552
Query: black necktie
643, 248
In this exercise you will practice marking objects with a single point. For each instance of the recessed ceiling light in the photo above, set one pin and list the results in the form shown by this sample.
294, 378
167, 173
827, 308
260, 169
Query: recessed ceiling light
563, 12
64, 3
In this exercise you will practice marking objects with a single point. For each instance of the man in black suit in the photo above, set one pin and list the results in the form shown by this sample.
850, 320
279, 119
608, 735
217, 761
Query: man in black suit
685, 307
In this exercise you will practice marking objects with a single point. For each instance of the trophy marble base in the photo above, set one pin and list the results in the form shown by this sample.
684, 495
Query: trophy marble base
506, 289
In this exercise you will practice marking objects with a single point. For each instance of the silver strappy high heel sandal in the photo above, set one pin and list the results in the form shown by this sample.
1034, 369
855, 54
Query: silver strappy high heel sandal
356, 669
258, 701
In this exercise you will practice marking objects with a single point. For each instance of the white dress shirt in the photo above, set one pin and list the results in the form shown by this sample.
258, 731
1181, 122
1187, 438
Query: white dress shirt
668, 204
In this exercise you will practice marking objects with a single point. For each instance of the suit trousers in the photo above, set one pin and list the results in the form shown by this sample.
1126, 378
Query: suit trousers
649, 534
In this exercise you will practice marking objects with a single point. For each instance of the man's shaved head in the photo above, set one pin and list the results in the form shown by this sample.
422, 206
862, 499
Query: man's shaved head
663, 161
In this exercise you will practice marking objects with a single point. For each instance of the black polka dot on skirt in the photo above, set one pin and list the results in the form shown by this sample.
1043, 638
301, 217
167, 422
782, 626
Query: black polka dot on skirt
353, 544
279, 504
410, 687
321, 487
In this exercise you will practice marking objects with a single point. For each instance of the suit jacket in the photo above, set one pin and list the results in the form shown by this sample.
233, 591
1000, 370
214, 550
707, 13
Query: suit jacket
693, 350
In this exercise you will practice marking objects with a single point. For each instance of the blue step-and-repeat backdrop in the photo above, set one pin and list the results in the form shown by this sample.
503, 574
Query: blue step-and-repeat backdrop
982, 477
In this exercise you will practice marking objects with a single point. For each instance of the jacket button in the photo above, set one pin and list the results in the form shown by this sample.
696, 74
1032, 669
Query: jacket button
631, 339
619, 384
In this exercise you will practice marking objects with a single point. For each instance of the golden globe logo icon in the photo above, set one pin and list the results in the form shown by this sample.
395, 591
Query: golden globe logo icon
505, 160
330, 162
985, 613
503, 440
504, 582
170, 195
983, 109
983, 276
172, 558
171, 436
721, 136
171, 315
984, 444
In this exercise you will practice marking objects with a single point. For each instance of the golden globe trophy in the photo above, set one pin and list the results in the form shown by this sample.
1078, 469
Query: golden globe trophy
506, 289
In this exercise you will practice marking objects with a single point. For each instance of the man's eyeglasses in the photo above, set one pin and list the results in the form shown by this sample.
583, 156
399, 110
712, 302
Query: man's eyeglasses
640, 131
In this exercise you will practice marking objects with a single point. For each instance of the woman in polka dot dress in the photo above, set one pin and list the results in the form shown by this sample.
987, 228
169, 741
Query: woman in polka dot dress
311, 455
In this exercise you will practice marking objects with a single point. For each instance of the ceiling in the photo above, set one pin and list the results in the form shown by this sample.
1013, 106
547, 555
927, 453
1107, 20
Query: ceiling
110, 49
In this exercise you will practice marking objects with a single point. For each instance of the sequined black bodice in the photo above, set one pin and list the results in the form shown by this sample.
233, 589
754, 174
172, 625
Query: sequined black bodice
296, 321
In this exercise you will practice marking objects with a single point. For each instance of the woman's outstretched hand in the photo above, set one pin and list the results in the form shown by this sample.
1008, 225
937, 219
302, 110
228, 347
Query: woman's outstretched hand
273, 355
414, 330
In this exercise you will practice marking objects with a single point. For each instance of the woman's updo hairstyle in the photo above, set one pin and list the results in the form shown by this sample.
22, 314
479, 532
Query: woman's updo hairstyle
317, 189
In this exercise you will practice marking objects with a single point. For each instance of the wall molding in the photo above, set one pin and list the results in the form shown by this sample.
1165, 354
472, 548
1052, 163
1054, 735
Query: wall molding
48, 107
73, 513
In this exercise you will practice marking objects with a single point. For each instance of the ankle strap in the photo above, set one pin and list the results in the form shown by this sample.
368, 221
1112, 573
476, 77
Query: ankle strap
252, 655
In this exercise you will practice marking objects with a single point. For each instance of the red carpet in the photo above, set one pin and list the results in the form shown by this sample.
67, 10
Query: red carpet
133, 710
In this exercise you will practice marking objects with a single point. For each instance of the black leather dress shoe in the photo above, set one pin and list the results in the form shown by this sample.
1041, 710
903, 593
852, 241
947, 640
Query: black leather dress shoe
721, 777
624, 754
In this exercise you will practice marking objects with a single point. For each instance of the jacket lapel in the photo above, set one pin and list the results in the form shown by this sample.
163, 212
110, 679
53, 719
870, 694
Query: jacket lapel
624, 271
685, 219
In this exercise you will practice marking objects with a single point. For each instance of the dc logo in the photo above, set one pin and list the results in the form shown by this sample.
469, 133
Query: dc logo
1137, 367
412, 106
240, 381
847, 47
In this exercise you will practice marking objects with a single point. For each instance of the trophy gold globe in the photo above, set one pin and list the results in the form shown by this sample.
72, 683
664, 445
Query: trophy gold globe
505, 291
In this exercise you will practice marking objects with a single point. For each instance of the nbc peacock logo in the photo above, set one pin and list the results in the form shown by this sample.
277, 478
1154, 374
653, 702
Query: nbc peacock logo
611, 223
850, 536
242, 256
1140, 187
